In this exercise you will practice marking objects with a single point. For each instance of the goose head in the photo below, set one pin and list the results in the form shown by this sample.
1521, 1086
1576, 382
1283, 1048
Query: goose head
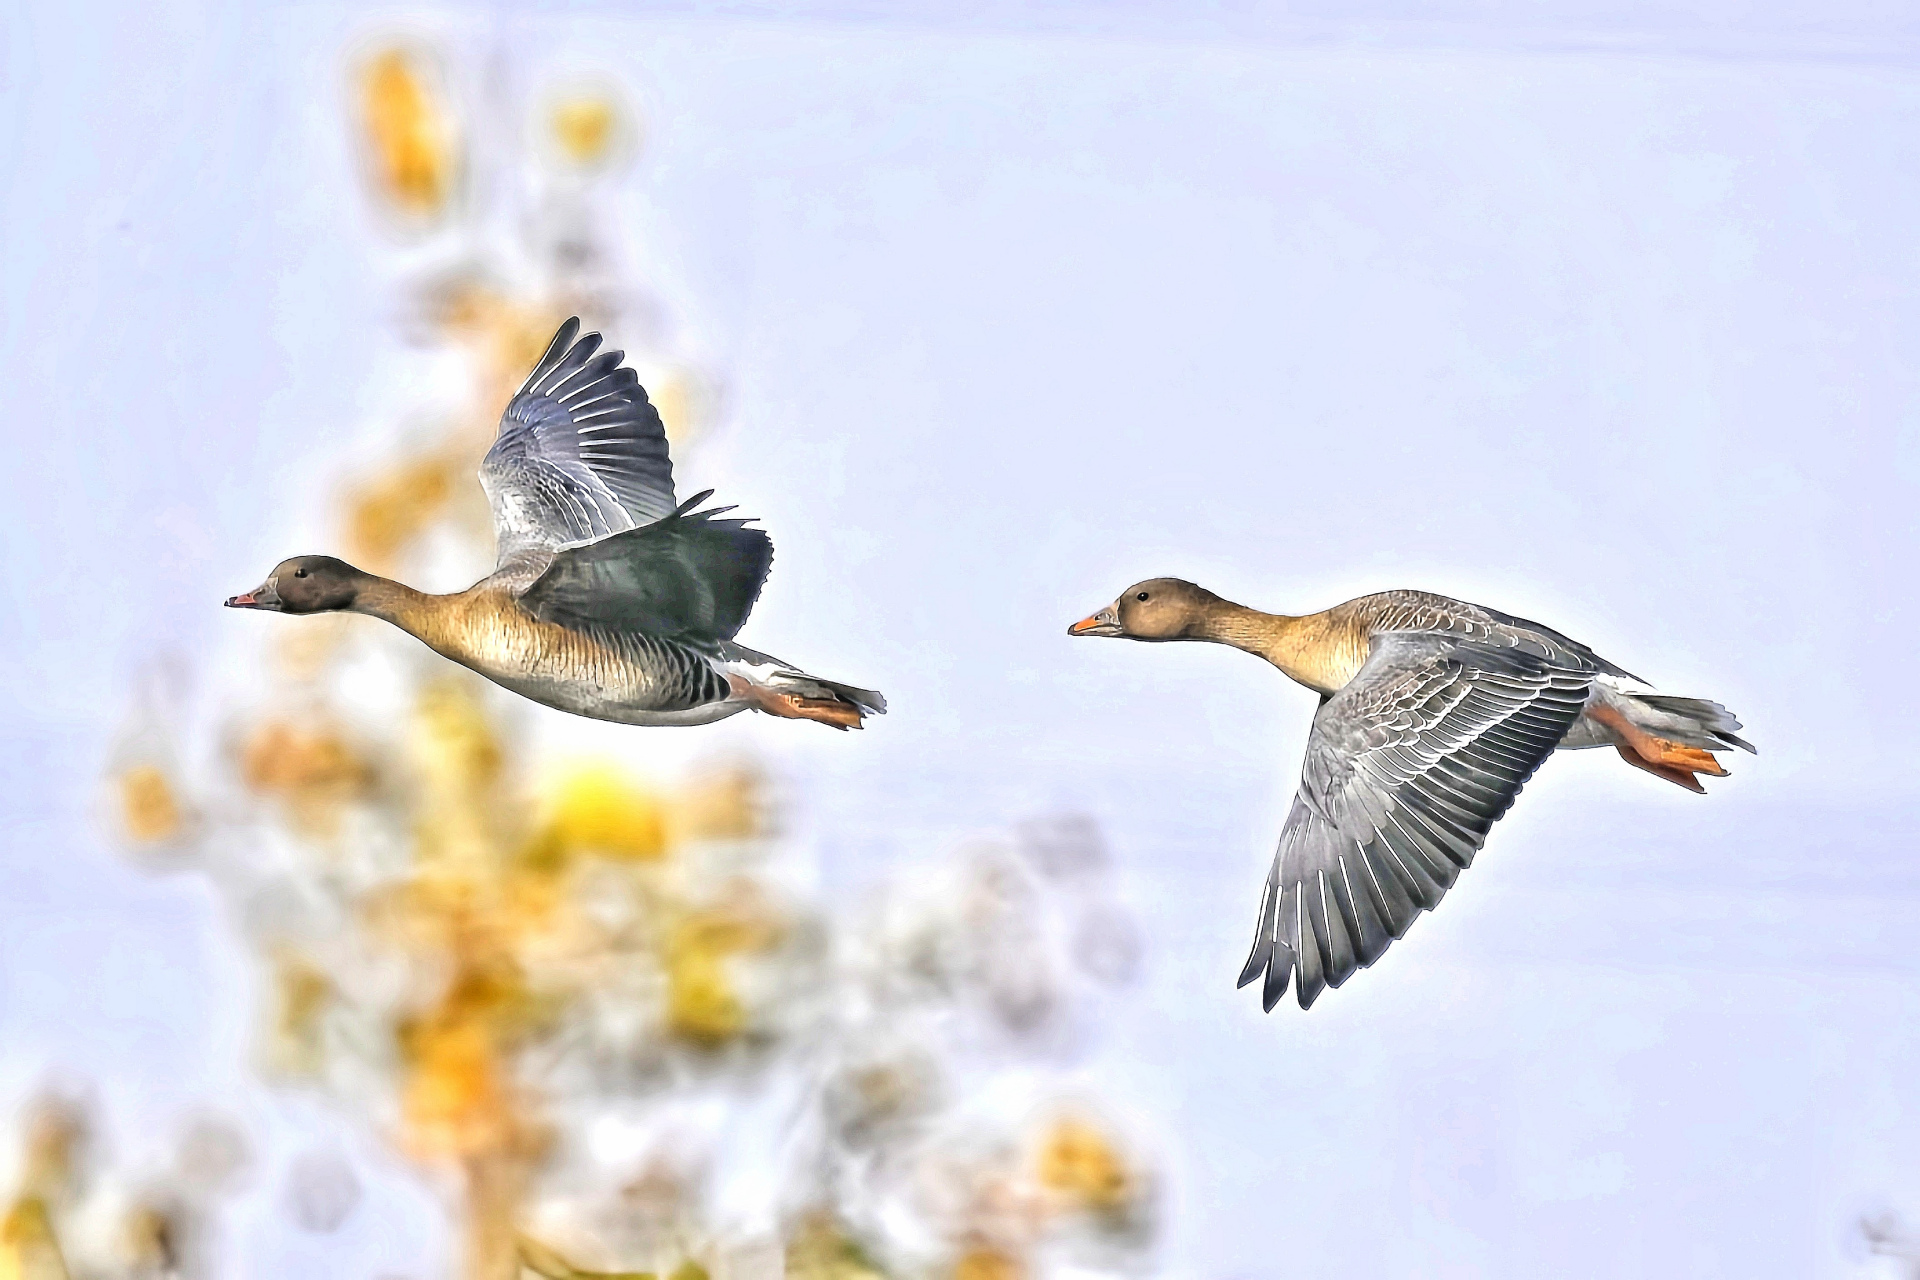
304, 584
1157, 609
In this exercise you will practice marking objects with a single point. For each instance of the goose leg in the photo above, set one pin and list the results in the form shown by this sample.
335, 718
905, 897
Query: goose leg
1663, 759
791, 706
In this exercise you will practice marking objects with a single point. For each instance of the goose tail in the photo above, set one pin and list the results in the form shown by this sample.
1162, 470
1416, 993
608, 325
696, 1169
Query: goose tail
782, 689
1693, 722
1669, 737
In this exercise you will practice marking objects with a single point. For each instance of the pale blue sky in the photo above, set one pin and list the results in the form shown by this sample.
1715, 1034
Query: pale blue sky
1606, 318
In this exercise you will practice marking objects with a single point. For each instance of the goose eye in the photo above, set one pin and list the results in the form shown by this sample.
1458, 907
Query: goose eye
299, 573
1141, 596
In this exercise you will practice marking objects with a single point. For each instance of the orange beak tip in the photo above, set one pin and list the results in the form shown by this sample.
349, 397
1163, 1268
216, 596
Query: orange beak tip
1099, 624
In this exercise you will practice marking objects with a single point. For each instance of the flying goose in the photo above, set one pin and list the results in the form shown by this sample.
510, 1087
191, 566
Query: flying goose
1433, 714
609, 599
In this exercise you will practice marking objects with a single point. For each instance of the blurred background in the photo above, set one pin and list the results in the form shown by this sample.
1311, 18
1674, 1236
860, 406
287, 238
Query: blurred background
320, 959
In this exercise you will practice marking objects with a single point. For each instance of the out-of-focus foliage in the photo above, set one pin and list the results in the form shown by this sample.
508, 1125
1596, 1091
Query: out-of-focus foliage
590, 127
70, 1217
148, 805
388, 512
601, 1008
409, 134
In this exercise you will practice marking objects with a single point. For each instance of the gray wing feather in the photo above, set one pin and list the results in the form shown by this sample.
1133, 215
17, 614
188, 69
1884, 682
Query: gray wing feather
1408, 767
691, 575
581, 453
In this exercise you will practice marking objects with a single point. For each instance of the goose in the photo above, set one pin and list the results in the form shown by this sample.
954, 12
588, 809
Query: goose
1433, 713
609, 599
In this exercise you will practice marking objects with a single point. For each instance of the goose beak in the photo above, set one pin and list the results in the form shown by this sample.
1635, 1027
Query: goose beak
264, 596
1104, 623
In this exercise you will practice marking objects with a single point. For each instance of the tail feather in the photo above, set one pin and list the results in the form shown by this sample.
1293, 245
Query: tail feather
870, 701
799, 696
1691, 722
1671, 738
775, 685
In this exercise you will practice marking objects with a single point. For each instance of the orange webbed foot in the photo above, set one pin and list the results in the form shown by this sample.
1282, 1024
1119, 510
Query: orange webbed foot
1689, 758
1659, 756
1676, 774
791, 706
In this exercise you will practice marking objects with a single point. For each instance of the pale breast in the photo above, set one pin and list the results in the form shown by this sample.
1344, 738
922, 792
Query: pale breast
603, 674
1325, 650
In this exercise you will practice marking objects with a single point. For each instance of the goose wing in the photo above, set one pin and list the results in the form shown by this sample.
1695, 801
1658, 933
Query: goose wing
581, 453
1407, 769
690, 576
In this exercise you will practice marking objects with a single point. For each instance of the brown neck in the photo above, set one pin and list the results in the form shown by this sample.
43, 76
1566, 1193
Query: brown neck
1313, 650
391, 601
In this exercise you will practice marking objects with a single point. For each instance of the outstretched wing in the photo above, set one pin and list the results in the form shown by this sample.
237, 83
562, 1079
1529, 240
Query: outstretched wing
689, 576
1408, 767
581, 453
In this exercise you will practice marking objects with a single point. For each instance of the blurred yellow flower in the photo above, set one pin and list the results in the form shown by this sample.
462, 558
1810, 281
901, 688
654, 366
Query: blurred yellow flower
281, 757
411, 135
1078, 1163
302, 994
726, 804
821, 1250
454, 1102
984, 1262
312, 769
149, 813
57, 1130
29, 1249
458, 810
686, 401
585, 127
597, 808
388, 512
453, 741
702, 1002
508, 334
545, 1261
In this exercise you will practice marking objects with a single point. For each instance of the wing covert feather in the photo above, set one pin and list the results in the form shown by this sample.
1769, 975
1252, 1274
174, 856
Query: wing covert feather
691, 577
